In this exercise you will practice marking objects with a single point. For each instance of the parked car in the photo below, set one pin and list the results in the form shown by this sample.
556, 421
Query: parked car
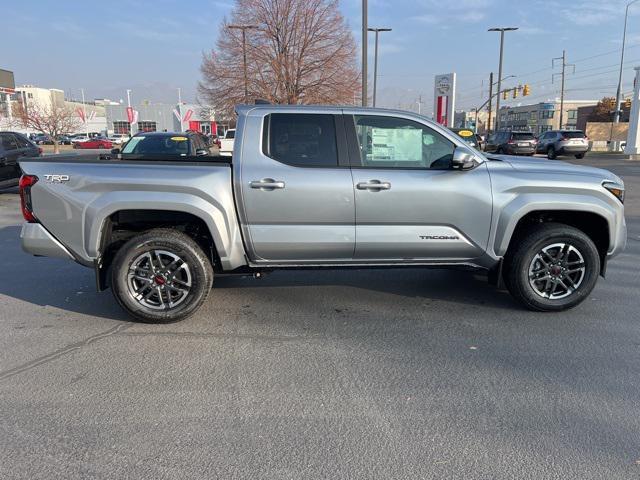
467, 135
14, 147
563, 142
308, 190
165, 143
64, 140
42, 139
481, 141
79, 137
226, 143
93, 143
511, 143
118, 138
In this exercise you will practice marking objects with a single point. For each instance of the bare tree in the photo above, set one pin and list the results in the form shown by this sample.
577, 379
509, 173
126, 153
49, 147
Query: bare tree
52, 120
302, 52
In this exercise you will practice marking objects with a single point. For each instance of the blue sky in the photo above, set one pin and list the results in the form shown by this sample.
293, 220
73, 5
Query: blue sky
154, 47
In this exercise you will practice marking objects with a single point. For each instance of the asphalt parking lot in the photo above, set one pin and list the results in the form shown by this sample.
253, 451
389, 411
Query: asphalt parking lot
347, 374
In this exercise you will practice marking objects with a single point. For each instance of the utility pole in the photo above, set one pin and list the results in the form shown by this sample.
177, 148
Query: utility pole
490, 102
365, 28
564, 66
375, 61
244, 29
419, 102
616, 117
84, 114
501, 30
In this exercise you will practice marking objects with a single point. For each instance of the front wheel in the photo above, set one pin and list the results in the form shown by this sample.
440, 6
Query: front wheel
554, 267
579, 155
551, 153
161, 276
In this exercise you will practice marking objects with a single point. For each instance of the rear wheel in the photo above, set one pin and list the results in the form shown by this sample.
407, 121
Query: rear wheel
551, 153
579, 155
161, 276
553, 268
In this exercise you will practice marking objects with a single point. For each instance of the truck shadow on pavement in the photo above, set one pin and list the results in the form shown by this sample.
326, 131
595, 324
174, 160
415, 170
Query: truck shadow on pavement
50, 281
65, 285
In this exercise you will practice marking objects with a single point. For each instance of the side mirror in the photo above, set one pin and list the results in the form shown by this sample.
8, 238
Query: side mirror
201, 152
115, 151
463, 159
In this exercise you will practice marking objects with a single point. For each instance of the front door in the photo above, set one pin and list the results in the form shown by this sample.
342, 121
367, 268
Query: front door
410, 204
296, 188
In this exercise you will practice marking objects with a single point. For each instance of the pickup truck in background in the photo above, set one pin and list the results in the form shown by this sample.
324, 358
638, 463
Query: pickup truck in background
227, 142
317, 187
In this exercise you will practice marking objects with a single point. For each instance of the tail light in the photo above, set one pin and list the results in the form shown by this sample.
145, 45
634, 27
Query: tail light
511, 142
565, 138
26, 182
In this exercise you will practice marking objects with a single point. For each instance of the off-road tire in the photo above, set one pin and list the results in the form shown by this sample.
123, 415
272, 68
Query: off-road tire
521, 255
174, 243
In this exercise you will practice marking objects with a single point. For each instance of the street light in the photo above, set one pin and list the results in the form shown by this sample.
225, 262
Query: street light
365, 39
616, 118
375, 60
244, 29
501, 30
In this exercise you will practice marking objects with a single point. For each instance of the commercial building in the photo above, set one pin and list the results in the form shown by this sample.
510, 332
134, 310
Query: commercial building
158, 117
541, 117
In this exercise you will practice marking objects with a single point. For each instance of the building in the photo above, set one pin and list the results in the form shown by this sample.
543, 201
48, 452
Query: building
467, 119
47, 98
158, 117
541, 117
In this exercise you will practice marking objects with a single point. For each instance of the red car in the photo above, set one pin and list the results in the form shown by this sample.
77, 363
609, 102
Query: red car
99, 143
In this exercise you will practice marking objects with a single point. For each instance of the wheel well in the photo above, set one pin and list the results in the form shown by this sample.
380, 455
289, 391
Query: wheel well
592, 224
120, 226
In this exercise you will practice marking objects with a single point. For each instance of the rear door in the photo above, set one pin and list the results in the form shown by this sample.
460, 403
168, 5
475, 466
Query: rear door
410, 204
296, 187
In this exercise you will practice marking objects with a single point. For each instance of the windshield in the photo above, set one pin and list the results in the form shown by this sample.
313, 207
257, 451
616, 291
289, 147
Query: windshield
573, 134
157, 144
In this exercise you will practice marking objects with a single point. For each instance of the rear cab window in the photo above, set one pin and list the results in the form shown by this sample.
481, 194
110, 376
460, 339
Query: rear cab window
158, 145
301, 139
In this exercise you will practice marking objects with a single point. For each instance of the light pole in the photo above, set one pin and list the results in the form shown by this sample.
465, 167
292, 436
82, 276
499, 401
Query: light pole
501, 30
375, 60
365, 39
84, 113
616, 117
244, 29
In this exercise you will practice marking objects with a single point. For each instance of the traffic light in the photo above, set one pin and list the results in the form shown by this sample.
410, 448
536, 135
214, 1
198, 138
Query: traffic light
515, 93
627, 103
505, 94
526, 90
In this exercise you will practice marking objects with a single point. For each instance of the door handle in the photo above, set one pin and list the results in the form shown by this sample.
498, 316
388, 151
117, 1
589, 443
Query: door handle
267, 184
373, 185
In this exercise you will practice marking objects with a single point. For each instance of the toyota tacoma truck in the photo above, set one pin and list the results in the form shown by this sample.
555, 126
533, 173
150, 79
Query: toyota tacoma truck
320, 187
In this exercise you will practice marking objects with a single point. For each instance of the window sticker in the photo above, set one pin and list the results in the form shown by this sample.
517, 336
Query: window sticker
396, 144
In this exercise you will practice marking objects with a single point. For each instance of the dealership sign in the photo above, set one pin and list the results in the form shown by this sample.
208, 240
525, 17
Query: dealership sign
444, 99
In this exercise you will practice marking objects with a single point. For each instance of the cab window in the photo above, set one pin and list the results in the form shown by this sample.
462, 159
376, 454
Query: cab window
301, 140
391, 142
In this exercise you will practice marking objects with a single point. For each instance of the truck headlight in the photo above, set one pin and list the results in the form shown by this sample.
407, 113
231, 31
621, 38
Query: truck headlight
616, 189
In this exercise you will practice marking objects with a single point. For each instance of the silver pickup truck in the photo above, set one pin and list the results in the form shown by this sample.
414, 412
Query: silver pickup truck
324, 187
